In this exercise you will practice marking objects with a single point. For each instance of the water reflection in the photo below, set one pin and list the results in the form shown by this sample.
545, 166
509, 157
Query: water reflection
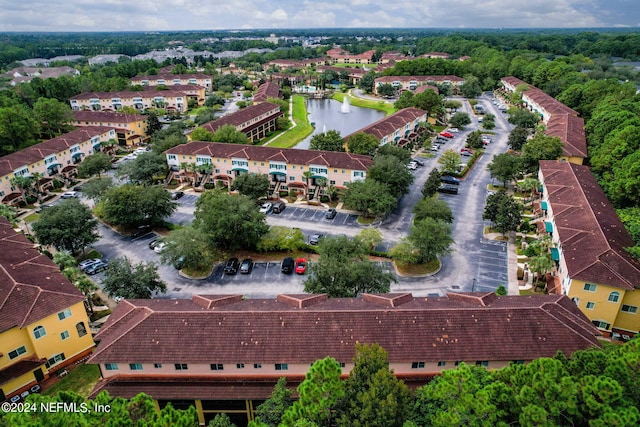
327, 114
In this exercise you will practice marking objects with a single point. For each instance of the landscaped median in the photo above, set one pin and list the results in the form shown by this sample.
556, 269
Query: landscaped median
387, 107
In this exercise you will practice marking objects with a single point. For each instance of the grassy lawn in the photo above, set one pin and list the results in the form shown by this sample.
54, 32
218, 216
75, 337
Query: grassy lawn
387, 107
302, 129
417, 269
80, 380
365, 221
32, 218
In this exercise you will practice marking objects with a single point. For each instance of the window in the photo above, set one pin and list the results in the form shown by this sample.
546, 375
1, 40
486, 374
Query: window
614, 297
292, 178
64, 335
282, 366
64, 314
458, 362
629, 309
332, 182
601, 324
82, 330
417, 365
239, 365
157, 365
257, 365
181, 366
484, 363
217, 366
442, 364
518, 362
17, 352
135, 366
589, 287
591, 305
111, 366
39, 332
55, 359
342, 364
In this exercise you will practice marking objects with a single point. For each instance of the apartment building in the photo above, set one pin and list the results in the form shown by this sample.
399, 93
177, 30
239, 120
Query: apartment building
307, 172
43, 321
593, 267
26, 74
265, 91
224, 353
55, 158
171, 80
560, 120
174, 99
340, 56
402, 83
131, 129
400, 128
256, 121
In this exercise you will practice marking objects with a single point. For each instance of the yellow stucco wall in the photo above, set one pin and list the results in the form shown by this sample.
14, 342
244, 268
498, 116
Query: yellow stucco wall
629, 321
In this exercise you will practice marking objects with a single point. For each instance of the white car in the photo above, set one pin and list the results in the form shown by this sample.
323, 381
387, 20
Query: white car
435, 147
265, 208
412, 166
454, 130
159, 247
70, 195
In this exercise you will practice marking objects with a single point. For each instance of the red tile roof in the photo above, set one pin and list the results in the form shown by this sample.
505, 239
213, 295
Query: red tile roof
242, 117
31, 285
173, 92
422, 79
388, 125
104, 116
265, 91
38, 152
168, 77
592, 236
467, 327
291, 156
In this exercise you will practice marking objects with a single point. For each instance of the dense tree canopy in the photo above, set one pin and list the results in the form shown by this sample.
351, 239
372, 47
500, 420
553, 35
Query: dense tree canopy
124, 279
328, 141
133, 205
252, 185
69, 226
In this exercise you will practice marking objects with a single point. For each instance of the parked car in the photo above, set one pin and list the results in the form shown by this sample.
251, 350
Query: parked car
447, 134
450, 180
278, 207
143, 230
88, 262
301, 265
70, 195
96, 268
435, 147
265, 208
154, 243
287, 265
412, 166
440, 140
315, 239
418, 162
160, 246
331, 213
231, 266
179, 263
448, 188
453, 130
466, 153
177, 194
246, 266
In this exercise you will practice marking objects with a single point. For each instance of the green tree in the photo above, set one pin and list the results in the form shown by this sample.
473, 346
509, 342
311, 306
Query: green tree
449, 160
23, 183
126, 280
9, 212
221, 420
280, 238
529, 185
69, 226
229, 222
270, 412
431, 238
343, 270
518, 137
55, 117
252, 185
541, 147
146, 169
460, 120
318, 395
522, 118
540, 265
503, 211
18, 128
505, 167
433, 208
403, 154
474, 140
327, 141
370, 197
370, 237
96, 187
363, 143
88, 288
64, 259
201, 134
367, 81
95, 164
230, 135
132, 205
187, 246
386, 90
471, 87
153, 124
432, 183
391, 172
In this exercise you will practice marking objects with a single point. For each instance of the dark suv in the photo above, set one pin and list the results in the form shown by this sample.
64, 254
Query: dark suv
231, 267
448, 189
450, 180
287, 265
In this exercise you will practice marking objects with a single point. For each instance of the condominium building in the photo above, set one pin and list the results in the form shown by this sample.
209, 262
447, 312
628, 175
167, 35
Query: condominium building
400, 128
340, 56
131, 129
593, 267
224, 353
402, 83
255, 121
171, 80
43, 321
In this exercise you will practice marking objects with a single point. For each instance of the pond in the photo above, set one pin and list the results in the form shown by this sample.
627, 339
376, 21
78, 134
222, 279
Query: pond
329, 114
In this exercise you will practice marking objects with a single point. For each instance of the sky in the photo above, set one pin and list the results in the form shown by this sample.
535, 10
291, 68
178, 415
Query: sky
165, 15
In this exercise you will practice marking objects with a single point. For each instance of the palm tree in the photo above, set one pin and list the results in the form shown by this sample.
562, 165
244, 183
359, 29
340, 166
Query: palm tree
23, 183
306, 176
321, 183
540, 265
529, 185
205, 169
88, 288
64, 259
35, 180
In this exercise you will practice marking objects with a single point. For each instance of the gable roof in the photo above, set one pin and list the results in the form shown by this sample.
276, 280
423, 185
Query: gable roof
31, 285
472, 326
241, 116
388, 125
106, 116
38, 152
292, 156
265, 91
592, 236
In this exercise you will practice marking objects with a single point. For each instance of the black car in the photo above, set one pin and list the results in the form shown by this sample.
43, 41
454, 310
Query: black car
287, 265
176, 195
331, 213
231, 267
246, 266
141, 231
450, 180
448, 189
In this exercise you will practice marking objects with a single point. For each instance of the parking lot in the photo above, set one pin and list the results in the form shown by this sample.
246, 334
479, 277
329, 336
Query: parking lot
318, 216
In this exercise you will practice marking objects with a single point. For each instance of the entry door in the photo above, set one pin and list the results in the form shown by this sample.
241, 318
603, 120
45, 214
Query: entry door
38, 374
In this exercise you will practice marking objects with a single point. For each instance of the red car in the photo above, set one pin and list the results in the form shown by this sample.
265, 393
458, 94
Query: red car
447, 134
301, 265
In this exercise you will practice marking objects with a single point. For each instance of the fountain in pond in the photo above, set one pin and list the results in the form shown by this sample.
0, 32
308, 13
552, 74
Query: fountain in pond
324, 128
345, 107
